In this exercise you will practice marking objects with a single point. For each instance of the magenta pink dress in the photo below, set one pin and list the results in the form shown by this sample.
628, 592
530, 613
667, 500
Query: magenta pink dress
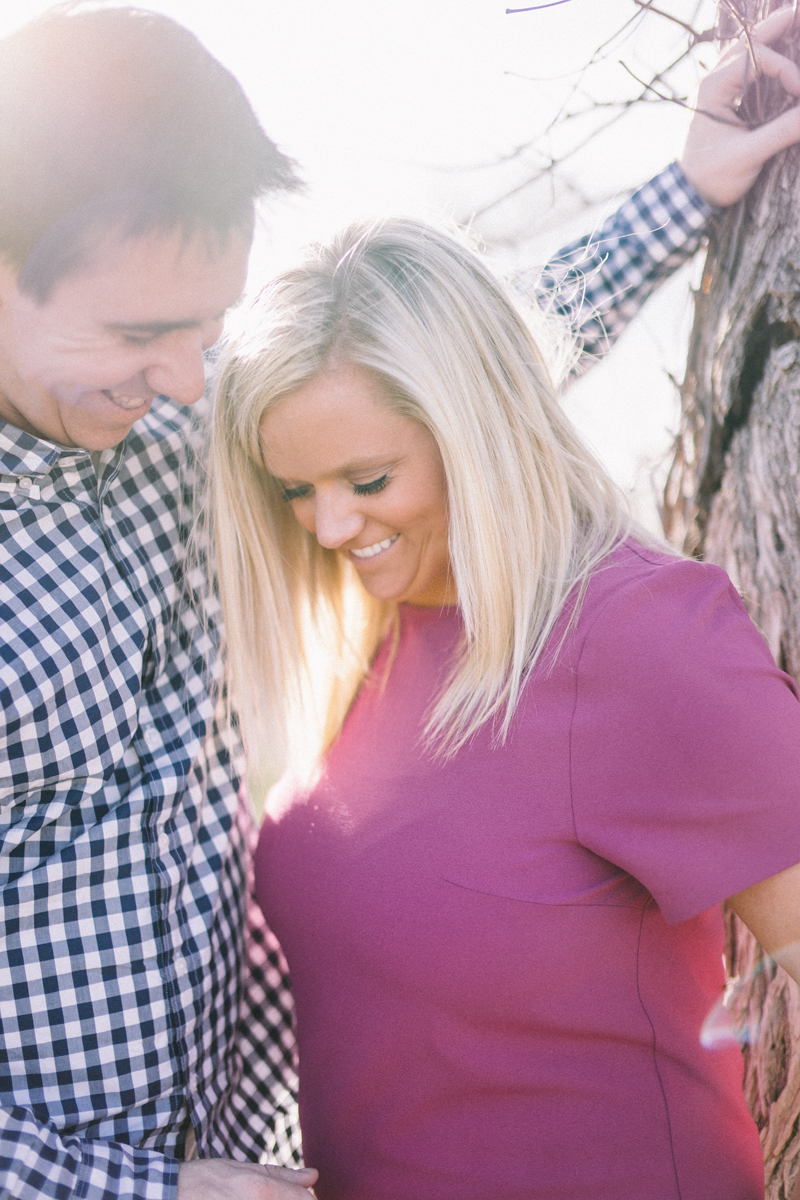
502, 965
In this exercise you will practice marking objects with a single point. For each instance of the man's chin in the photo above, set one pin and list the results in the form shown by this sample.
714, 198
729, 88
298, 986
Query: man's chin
100, 422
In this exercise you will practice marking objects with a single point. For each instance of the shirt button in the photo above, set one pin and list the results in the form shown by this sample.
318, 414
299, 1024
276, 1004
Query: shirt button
163, 842
25, 481
180, 967
152, 738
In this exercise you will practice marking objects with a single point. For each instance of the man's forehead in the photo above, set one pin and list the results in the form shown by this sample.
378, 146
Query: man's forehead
156, 283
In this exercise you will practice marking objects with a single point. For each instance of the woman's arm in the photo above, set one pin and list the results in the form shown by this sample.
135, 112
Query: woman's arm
771, 911
600, 282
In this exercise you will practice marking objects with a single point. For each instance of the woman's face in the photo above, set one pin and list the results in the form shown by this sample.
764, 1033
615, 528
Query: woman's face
365, 481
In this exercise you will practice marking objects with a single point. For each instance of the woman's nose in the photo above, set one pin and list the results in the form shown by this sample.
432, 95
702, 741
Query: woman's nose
336, 518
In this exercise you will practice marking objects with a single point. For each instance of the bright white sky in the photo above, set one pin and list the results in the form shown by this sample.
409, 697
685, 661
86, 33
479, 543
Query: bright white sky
389, 105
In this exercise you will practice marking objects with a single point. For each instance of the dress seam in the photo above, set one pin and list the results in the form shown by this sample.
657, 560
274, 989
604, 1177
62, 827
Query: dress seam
655, 1052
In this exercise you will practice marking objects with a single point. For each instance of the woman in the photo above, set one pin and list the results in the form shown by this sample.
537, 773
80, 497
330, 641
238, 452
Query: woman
543, 750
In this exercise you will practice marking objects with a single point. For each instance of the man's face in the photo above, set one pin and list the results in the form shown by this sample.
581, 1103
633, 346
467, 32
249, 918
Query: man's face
82, 367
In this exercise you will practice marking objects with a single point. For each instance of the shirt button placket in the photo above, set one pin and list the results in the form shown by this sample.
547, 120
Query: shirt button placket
152, 738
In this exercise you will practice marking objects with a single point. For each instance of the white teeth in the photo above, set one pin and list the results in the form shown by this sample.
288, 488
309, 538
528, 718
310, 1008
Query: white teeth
371, 551
127, 402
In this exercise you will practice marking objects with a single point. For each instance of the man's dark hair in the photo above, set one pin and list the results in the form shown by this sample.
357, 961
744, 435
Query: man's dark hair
119, 117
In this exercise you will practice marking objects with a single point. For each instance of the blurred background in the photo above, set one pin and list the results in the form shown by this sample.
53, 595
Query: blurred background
442, 108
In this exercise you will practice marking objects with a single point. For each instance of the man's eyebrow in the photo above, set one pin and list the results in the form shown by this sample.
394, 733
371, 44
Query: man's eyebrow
157, 328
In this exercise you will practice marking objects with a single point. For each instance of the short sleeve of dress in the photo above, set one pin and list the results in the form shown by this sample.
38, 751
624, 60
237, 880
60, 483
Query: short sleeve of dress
685, 744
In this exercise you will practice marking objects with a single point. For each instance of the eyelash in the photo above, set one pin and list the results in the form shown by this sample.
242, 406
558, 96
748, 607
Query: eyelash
372, 488
289, 494
361, 489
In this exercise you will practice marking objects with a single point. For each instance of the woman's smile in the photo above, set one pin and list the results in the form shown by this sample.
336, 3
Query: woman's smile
378, 548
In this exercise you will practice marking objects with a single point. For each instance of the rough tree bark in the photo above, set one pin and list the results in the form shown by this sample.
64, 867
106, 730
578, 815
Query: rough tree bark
733, 497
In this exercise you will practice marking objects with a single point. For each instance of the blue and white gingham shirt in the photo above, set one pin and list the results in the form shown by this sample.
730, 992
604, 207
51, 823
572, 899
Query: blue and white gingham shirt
124, 851
599, 282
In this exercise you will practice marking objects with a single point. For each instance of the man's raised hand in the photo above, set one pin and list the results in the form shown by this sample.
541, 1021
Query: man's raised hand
723, 157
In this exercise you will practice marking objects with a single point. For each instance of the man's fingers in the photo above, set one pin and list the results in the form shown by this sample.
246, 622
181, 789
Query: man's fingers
773, 137
770, 30
720, 90
774, 26
777, 66
723, 157
305, 1176
224, 1179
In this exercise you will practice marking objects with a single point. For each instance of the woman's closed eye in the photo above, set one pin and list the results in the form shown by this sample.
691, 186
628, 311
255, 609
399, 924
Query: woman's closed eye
296, 493
371, 488
360, 489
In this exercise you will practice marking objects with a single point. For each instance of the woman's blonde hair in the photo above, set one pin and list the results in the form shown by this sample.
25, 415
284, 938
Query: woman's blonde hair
531, 513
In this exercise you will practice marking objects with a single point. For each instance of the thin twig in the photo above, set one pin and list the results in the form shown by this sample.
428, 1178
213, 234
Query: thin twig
576, 87
745, 28
648, 6
598, 54
683, 104
536, 7
622, 107
555, 162
660, 89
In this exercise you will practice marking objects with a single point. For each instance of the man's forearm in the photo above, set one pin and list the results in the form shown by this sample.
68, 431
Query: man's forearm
600, 281
37, 1163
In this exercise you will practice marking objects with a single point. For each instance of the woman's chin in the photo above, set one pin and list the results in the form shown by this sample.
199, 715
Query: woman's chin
438, 595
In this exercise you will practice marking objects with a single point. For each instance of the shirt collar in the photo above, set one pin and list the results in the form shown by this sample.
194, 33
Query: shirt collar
23, 453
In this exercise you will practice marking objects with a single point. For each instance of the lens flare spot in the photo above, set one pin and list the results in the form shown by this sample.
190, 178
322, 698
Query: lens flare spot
725, 1026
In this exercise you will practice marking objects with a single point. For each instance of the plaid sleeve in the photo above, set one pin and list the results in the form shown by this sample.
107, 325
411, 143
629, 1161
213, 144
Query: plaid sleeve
599, 282
36, 1162
260, 1120
266, 1040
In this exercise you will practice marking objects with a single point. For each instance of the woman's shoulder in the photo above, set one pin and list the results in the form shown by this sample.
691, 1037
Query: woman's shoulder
653, 578
645, 604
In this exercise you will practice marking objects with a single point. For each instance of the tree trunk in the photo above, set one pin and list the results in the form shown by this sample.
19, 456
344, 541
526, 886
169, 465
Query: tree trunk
733, 498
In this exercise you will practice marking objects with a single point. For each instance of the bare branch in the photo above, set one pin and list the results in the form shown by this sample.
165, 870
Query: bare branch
578, 118
536, 7
745, 27
683, 104
554, 162
707, 35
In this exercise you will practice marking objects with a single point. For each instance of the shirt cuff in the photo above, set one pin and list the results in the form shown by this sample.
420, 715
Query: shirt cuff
667, 210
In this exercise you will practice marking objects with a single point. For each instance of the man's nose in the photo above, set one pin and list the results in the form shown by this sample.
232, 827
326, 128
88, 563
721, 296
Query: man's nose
336, 518
179, 371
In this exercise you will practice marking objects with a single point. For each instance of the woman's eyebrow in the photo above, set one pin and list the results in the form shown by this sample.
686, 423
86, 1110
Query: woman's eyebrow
369, 464
352, 468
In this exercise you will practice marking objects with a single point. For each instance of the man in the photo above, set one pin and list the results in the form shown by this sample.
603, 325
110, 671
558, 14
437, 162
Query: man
130, 161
